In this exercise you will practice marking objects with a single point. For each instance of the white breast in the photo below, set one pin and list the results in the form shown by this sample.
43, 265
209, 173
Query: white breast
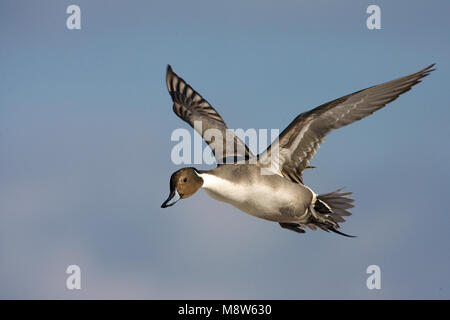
259, 200
223, 190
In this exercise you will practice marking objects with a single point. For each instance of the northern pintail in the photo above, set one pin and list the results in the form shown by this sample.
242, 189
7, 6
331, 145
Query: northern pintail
271, 186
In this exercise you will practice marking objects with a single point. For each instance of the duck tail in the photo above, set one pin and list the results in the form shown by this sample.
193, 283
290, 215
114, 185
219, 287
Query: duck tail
334, 206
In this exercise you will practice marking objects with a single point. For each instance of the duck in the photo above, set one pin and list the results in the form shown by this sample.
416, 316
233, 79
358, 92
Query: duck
270, 185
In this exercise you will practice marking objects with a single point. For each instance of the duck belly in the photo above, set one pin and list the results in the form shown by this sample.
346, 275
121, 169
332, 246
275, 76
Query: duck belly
272, 198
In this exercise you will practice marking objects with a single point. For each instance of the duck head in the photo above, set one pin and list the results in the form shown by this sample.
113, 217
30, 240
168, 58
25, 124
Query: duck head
183, 184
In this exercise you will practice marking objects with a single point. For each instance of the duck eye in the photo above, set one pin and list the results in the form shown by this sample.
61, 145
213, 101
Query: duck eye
185, 180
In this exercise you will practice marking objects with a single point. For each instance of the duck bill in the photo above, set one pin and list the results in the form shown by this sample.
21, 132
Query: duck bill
172, 199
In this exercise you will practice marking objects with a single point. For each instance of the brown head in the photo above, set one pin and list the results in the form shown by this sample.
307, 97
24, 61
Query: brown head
183, 184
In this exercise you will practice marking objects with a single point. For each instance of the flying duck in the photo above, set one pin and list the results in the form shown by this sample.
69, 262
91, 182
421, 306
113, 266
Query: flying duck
270, 186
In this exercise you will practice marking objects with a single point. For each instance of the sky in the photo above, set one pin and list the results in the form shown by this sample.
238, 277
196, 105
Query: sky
85, 127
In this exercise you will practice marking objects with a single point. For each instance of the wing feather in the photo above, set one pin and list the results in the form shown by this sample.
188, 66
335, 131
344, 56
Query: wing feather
299, 142
191, 107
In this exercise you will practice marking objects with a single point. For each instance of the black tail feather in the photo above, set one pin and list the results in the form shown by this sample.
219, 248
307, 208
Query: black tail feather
341, 233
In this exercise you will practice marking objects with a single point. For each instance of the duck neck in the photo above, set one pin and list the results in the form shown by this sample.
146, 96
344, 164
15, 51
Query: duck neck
210, 181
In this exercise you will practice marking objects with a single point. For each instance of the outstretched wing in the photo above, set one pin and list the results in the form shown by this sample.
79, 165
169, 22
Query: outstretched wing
298, 143
192, 108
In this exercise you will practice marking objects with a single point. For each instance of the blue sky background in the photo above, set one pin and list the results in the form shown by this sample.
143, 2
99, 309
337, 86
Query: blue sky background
85, 125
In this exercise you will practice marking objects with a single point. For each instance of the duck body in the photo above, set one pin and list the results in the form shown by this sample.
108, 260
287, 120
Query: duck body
272, 186
269, 197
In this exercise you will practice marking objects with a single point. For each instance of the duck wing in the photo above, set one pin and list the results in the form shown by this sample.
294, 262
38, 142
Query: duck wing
291, 153
191, 107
